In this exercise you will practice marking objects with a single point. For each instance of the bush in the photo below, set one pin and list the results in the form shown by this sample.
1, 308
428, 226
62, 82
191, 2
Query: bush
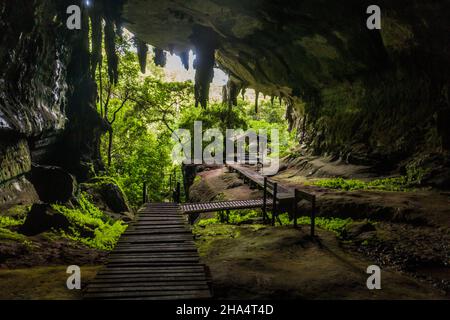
89, 225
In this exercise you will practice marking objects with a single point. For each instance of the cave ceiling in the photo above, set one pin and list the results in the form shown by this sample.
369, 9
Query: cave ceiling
280, 47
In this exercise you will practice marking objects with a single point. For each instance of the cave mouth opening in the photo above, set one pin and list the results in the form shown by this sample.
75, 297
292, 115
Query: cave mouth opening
87, 119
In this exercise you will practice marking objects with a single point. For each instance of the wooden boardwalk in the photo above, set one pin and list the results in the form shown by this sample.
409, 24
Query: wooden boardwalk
189, 208
285, 195
155, 259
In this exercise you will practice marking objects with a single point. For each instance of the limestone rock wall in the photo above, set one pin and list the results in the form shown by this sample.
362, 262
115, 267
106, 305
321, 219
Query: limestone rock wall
47, 97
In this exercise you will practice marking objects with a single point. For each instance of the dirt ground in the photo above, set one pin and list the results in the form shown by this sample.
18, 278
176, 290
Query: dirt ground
410, 242
248, 262
42, 283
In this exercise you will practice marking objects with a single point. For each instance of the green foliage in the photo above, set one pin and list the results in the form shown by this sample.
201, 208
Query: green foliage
341, 184
402, 183
6, 234
235, 217
336, 225
89, 225
7, 222
141, 110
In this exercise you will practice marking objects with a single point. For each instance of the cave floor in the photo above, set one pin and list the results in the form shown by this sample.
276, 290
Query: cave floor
42, 283
254, 261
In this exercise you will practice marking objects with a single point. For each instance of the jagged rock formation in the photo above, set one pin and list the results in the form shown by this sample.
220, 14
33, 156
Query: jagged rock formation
374, 97
47, 95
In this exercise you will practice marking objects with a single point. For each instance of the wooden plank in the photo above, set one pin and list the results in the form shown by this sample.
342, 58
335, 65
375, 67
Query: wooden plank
150, 277
155, 258
145, 288
168, 269
153, 285
157, 295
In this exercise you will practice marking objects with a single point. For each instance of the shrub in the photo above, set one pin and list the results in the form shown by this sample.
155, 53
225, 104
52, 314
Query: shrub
89, 225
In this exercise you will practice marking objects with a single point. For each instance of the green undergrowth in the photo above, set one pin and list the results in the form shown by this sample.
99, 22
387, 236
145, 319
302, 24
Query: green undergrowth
6, 234
6, 224
407, 182
89, 225
336, 225
234, 217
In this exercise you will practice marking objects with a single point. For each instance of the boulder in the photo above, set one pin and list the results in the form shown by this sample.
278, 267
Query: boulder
52, 184
114, 198
41, 218
107, 196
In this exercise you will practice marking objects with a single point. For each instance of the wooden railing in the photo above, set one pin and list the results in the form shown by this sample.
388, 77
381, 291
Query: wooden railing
299, 196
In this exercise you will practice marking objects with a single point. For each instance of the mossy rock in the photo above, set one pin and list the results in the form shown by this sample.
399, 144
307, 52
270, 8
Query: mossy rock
107, 195
41, 218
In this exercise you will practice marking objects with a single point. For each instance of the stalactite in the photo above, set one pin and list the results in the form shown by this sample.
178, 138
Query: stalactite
142, 50
205, 42
289, 113
204, 66
184, 56
233, 89
243, 91
95, 14
225, 95
230, 93
111, 18
110, 48
160, 57
256, 101
272, 100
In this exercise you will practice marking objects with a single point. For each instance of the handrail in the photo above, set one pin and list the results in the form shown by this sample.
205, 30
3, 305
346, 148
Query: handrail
301, 195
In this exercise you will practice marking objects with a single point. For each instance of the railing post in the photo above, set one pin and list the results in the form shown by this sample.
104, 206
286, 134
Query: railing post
296, 200
313, 215
265, 200
144, 193
275, 207
178, 192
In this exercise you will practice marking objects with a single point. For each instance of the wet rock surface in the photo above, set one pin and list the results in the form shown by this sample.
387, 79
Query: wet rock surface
43, 218
53, 184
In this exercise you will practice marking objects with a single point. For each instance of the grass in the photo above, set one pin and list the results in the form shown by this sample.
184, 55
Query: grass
7, 222
235, 217
89, 225
6, 234
404, 183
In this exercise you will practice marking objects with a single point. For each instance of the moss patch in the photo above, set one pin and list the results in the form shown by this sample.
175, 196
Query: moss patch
403, 183
41, 283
